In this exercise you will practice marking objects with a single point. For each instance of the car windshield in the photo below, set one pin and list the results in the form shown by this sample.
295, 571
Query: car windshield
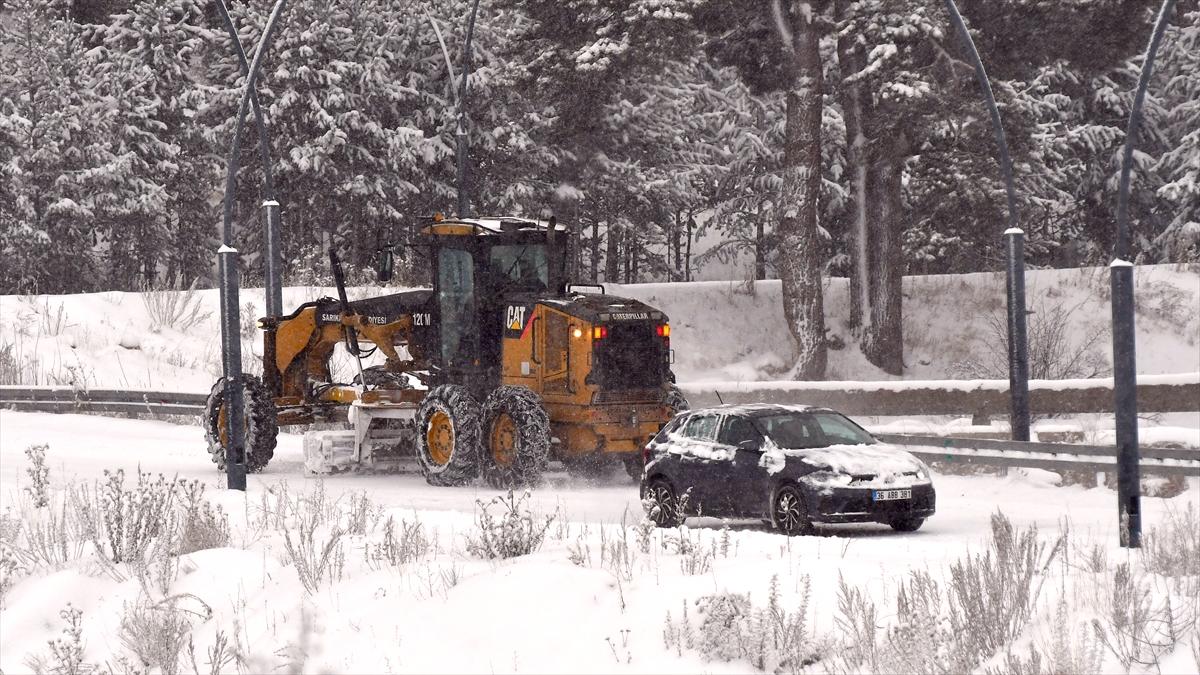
812, 430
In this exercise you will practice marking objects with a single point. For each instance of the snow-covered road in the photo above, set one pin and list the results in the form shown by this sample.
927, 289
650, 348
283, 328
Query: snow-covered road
83, 446
566, 608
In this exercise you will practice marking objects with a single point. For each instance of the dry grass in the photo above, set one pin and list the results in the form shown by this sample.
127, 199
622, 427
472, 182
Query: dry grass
515, 532
179, 309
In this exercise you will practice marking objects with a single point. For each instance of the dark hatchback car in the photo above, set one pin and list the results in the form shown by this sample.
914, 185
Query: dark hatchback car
790, 466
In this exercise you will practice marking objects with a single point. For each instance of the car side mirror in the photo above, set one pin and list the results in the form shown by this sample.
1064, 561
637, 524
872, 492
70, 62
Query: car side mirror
750, 444
385, 265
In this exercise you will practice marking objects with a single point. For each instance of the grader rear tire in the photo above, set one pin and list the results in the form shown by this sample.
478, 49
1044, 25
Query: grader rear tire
261, 424
516, 437
448, 436
676, 401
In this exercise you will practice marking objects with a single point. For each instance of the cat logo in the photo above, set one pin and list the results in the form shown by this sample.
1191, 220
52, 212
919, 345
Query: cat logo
515, 317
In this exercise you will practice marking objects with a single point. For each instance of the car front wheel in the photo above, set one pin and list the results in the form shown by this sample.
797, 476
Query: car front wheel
907, 524
788, 512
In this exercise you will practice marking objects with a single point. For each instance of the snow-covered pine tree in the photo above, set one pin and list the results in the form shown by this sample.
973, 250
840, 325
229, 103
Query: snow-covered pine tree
888, 55
1179, 165
775, 46
589, 70
61, 158
162, 221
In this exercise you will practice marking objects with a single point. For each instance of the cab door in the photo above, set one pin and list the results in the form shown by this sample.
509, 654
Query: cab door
457, 312
519, 350
552, 339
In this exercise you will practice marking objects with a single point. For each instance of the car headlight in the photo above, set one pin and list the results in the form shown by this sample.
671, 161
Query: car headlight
923, 472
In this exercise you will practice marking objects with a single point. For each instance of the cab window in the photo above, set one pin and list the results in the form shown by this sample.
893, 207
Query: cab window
456, 303
520, 266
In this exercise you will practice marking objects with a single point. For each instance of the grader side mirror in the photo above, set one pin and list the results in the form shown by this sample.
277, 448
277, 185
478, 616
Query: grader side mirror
385, 266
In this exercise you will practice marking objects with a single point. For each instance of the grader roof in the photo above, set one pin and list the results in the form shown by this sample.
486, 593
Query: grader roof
490, 226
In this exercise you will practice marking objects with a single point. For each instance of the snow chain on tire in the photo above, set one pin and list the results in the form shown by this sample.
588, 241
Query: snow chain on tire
448, 436
261, 429
516, 437
676, 401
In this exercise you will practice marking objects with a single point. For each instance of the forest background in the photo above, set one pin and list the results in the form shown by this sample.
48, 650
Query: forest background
818, 139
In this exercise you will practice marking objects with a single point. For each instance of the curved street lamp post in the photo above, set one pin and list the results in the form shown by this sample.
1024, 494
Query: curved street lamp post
227, 263
1129, 500
460, 131
227, 255
1018, 350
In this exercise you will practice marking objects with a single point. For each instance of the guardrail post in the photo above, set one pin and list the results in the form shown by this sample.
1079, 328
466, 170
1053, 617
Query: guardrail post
274, 285
1018, 347
1129, 499
231, 341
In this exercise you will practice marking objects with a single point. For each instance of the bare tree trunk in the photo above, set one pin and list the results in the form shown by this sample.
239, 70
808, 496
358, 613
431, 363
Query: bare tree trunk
612, 257
595, 249
676, 244
760, 253
799, 246
691, 227
850, 61
630, 252
876, 158
882, 338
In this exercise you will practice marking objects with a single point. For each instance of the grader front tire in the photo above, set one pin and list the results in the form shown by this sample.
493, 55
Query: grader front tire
261, 424
516, 437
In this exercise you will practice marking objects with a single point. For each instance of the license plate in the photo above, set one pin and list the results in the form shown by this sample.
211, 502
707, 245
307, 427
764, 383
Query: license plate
889, 495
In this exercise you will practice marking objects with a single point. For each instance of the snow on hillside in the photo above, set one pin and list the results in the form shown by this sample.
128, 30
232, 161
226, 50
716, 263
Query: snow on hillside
722, 330
730, 330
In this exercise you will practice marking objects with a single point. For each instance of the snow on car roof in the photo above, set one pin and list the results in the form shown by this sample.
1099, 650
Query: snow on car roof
755, 409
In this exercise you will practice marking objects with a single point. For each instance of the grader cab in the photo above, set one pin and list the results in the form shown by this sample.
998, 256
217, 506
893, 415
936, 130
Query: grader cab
498, 368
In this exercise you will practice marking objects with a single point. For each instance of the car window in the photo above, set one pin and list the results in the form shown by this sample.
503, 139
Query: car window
671, 426
792, 430
839, 430
737, 430
701, 427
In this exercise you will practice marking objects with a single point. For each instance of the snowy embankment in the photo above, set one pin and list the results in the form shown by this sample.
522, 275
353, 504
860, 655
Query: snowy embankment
722, 331
373, 574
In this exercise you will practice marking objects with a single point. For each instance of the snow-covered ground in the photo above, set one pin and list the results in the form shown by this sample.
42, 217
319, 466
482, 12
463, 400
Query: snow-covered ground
602, 593
596, 597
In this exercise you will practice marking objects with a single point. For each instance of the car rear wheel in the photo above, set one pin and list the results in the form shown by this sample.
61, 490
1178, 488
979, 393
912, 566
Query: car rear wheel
907, 524
788, 513
663, 503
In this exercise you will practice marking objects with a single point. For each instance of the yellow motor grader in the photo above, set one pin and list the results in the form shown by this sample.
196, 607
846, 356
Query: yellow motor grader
498, 368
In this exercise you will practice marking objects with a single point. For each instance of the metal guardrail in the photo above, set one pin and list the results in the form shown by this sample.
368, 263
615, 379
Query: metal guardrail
980, 398
1052, 456
123, 401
